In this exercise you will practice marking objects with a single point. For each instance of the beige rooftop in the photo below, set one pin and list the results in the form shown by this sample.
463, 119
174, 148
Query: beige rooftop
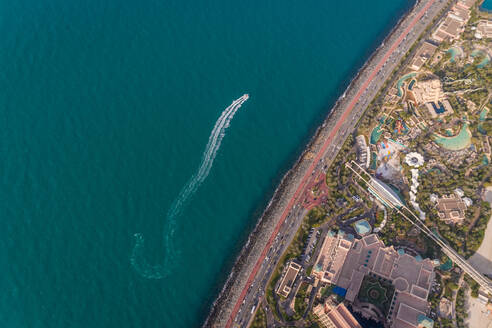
428, 91
288, 279
411, 276
335, 317
423, 54
451, 209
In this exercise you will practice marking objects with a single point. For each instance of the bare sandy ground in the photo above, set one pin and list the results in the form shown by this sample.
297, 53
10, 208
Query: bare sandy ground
482, 259
478, 315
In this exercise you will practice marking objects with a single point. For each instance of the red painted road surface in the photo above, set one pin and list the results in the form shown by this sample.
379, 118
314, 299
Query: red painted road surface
318, 157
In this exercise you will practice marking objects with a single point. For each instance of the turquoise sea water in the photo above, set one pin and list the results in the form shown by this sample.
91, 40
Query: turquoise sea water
107, 107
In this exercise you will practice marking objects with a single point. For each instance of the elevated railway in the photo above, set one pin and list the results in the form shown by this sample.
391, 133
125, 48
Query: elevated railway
388, 200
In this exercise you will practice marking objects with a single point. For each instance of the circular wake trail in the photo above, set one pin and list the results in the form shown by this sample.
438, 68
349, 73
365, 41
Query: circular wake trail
160, 271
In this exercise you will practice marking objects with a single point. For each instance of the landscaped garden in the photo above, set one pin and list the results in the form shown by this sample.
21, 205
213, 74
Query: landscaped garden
377, 292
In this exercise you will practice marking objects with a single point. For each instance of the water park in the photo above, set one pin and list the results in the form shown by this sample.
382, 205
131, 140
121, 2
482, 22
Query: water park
400, 82
455, 52
458, 142
481, 53
362, 227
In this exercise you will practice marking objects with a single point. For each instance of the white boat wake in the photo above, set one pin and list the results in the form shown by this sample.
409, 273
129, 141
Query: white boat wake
160, 271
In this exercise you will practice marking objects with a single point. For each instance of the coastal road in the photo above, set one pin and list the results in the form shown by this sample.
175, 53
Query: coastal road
253, 290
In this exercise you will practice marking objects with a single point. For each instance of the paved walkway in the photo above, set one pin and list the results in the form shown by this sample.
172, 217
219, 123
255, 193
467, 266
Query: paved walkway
316, 192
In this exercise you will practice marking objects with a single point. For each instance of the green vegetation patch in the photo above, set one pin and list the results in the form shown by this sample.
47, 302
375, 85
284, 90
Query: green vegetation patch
377, 292
300, 305
260, 319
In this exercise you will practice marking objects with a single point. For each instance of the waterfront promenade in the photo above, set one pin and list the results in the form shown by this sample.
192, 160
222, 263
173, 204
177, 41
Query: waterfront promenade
245, 288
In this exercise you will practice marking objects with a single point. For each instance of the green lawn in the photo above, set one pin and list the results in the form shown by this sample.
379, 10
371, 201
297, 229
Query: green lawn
260, 319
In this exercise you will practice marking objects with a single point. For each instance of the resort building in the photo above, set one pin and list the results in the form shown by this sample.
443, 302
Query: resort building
451, 209
332, 256
428, 91
466, 4
454, 23
411, 277
484, 29
363, 151
335, 317
287, 281
460, 13
423, 54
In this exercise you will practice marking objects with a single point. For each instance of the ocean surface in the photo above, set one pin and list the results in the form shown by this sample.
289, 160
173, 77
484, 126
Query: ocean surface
128, 186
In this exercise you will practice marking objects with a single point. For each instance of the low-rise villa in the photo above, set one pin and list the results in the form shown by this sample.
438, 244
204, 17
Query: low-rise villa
484, 29
451, 209
285, 286
453, 24
428, 91
423, 54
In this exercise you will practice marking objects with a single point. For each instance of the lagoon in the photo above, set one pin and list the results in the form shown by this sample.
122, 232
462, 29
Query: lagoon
458, 142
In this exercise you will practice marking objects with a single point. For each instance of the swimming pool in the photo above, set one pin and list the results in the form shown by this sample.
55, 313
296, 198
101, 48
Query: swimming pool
483, 114
410, 85
401, 80
440, 109
484, 61
453, 51
458, 142
362, 227
376, 133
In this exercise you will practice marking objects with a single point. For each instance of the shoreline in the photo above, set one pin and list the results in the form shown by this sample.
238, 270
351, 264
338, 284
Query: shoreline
290, 181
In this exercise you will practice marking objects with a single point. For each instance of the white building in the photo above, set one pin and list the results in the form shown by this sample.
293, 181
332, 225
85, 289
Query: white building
414, 159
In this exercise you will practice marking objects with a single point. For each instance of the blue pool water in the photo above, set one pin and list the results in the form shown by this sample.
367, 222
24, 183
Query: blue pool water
484, 61
438, 108
453, 52
401, 80
486, 5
